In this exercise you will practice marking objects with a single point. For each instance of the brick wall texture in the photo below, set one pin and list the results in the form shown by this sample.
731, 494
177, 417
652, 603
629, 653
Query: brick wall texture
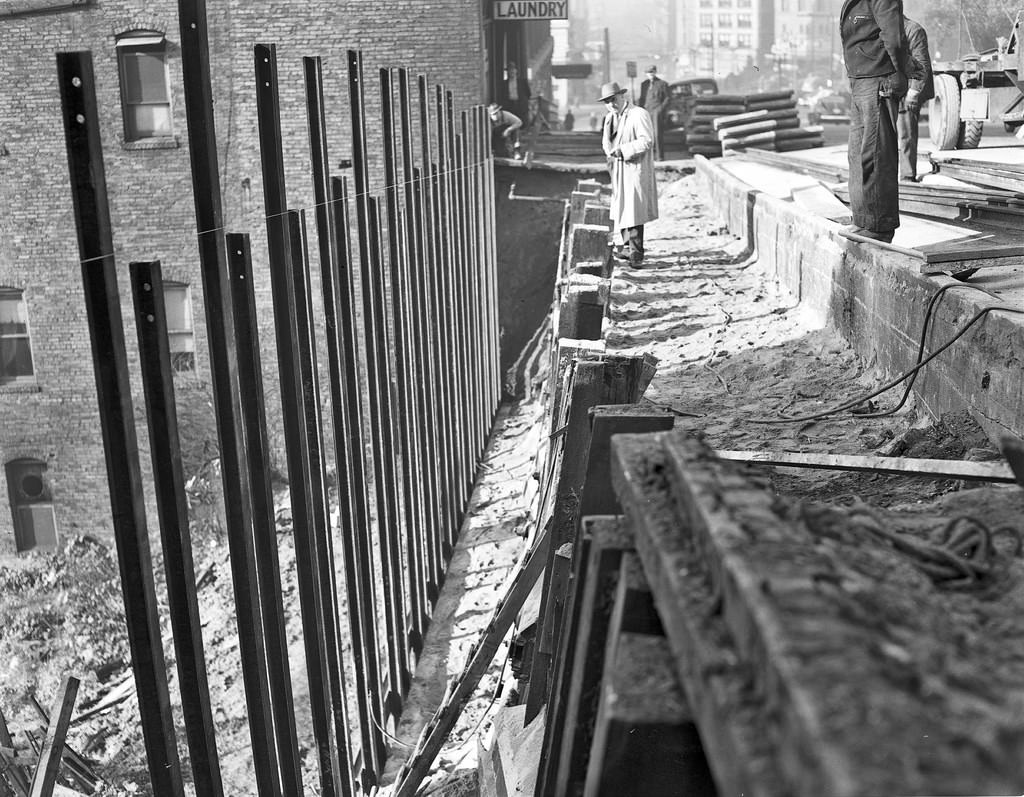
150, 191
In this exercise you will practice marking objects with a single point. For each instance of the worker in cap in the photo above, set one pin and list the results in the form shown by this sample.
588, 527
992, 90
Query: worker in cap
628, 141
504, 132
654, 96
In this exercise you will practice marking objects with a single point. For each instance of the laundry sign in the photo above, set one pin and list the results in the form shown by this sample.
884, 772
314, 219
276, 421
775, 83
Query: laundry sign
531, 9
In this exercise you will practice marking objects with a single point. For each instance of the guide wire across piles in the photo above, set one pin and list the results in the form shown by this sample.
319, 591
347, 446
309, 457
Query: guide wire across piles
409, 323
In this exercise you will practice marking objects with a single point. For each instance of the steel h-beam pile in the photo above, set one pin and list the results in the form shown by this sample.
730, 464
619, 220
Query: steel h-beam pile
409, 310
724, 122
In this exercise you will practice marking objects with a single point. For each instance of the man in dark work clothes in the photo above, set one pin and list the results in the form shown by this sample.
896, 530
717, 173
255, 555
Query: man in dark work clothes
877, 62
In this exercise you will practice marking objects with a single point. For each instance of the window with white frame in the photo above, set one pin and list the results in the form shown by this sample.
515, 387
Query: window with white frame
180, 334
15, 340
145, 89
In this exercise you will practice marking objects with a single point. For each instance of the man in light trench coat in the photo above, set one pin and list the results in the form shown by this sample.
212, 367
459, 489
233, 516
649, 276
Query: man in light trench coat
628, 141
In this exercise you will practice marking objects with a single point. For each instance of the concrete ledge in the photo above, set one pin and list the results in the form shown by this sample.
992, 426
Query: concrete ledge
877, 300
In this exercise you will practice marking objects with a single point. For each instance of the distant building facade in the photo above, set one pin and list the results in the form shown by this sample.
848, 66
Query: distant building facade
54, 478
727, 37
807, 38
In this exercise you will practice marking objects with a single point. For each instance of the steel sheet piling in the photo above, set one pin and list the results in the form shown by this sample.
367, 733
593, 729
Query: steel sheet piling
332, 235
117, 418
423, 376
264, 518
172, 507
379, 389
206, 192
317, 501
306, 503
339, 306
407, 450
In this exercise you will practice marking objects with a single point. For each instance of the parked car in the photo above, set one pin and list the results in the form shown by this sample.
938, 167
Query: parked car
829, 106
683, 95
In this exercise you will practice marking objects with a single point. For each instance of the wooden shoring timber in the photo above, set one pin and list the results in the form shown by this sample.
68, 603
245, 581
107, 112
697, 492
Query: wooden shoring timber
572, 706
76, 768
950, 261
588, 242
735, 723
460, 690
819, 171
739, 119
998, 472
582, 306
766, 125
645, 739
608, 380
815, 635
45, 777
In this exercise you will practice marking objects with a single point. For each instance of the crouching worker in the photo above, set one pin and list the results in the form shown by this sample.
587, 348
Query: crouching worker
504, 132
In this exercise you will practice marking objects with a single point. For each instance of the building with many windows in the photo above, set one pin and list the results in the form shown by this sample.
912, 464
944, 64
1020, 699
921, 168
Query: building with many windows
55, 480
726, 38
807, 38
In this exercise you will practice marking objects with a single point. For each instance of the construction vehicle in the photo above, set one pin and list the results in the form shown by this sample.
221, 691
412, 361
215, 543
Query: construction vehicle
978, 88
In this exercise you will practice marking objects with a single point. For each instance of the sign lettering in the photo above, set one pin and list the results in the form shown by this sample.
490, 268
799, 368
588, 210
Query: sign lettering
531, 9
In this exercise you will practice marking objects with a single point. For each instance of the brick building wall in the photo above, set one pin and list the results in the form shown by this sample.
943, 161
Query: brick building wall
55, 420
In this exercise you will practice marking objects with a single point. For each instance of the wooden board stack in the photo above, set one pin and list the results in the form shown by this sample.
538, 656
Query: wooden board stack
727, 122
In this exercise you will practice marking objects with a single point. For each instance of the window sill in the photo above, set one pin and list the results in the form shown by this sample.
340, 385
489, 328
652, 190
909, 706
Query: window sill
20, 387
160, 142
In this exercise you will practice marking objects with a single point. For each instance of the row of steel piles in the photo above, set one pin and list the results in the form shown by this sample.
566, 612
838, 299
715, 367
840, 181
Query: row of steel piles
410, 327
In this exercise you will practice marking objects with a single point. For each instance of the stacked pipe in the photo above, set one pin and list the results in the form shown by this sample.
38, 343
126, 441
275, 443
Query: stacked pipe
769, 120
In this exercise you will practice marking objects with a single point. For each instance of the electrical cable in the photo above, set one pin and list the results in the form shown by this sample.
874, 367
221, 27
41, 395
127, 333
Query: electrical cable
932, 303
891, 384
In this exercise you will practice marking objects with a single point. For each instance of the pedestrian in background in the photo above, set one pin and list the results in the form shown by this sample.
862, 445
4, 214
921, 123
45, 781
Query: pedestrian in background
504, 131
569, 122
877, 63
594, 121
628, 141
517, 92
654, 95
920, 89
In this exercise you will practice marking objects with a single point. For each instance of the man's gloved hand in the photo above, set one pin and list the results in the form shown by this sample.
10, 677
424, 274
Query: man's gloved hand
913, 100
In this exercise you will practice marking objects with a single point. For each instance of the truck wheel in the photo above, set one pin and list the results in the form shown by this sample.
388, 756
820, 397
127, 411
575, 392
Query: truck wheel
944, 126
970, 134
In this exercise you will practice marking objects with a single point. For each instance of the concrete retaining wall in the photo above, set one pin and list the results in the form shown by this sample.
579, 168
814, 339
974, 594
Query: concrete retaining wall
877, 300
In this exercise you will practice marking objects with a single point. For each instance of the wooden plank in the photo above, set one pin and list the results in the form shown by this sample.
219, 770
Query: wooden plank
814, 644
735, 723
572, 712
598, 497
982, 177
645, 741
440, 726
998, 472
822, 202
821, 171
13, 771
751, 128
45, 777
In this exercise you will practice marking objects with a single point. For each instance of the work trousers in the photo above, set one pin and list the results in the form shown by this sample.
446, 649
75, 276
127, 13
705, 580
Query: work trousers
633, 242
874, 155
907, 128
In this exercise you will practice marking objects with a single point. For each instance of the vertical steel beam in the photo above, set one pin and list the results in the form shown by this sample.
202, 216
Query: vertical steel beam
346, 416
426, 395
407, 450
117, 419
379, 383
442, 411
448, 310
306, 512
206, 192
264, 518
472, 226
317, 502
172, 507
339, 307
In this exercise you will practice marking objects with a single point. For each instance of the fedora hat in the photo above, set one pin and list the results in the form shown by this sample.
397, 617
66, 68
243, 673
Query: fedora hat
609, 90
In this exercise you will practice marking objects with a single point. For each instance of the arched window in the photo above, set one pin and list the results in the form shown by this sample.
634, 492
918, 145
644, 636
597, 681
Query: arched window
35, 527
145, 88
15, 342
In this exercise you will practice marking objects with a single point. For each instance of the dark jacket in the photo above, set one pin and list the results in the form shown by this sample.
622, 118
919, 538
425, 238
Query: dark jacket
874, 43
917, 43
